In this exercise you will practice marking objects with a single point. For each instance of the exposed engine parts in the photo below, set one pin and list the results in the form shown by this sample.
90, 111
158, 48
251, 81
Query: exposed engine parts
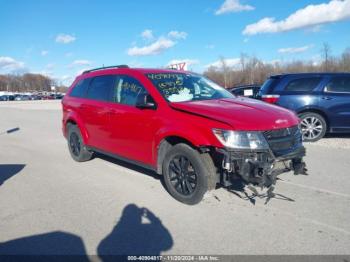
259, 169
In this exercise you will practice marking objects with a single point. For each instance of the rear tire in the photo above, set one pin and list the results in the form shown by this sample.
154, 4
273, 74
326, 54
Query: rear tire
188, 175
313, 126
77, 148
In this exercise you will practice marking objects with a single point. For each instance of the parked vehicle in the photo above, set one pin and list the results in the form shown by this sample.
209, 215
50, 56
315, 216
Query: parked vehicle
56, 96
7, 98
250, 91
181, 125
22, 98
3, 98
322, 100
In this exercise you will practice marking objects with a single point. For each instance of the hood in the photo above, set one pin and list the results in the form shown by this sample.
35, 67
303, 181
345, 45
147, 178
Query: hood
241, 113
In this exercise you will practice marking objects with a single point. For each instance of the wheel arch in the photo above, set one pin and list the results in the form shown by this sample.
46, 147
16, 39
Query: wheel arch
165, 144
75, 121
317, 111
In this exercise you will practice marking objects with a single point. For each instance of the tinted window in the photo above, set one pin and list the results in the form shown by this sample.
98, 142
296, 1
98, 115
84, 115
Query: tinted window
303, 84
100, 88
339, 84
80, 88
268, 86
126, 90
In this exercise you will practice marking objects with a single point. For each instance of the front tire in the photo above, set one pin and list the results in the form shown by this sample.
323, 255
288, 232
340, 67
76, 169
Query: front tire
76, 146
313, 126
188, 175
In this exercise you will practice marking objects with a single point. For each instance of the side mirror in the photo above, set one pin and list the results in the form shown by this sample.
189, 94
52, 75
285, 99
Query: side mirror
145, 101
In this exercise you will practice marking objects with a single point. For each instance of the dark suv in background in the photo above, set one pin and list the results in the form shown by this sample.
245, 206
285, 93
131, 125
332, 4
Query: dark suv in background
322, 100
250, 91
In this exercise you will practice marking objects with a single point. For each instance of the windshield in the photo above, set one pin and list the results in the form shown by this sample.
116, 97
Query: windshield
179, 87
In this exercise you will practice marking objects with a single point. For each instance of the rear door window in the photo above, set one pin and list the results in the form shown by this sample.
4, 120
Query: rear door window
79, 90
339, 84
100, 87
303, 84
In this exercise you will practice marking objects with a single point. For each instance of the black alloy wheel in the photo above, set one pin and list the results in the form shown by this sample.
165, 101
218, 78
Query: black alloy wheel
74, 143
77, 148
183, 176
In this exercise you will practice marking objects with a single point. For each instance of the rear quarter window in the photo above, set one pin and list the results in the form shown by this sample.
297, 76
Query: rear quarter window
303, 84
339, 84
79, 90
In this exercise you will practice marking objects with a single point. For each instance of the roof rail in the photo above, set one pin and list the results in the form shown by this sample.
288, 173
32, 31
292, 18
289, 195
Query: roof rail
105, 67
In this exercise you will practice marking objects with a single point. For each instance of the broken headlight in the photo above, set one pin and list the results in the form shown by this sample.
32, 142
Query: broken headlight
241, 139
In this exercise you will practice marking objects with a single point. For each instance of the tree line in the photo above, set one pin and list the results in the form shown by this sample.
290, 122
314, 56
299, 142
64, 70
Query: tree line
251, 70
28, 83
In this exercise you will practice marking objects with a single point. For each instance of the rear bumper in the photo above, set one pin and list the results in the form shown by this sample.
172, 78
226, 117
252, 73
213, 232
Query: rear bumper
260, 168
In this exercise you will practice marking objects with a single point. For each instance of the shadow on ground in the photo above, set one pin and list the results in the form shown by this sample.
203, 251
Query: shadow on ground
251, 194
7, 171
53, 243
138, 232
335, 135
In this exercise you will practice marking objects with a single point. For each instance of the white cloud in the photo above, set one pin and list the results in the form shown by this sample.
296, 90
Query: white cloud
231, 6
177, 35
147, 34
230, 62
81, 62
155, 48
44, 52
8, 64
309, 16
294, 50
65, 38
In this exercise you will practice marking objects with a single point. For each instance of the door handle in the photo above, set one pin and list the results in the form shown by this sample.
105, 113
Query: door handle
327, 98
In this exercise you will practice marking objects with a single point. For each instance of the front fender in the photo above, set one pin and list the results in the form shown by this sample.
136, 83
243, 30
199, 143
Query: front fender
195, 137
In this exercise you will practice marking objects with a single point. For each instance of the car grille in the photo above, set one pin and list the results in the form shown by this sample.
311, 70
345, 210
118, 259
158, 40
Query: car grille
283, 141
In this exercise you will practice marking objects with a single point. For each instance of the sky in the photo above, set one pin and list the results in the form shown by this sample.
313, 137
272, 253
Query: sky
61, 38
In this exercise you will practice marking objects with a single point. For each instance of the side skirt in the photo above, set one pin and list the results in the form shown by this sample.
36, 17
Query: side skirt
124, 159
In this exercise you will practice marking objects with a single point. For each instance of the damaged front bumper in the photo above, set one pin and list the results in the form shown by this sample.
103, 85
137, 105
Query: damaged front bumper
260, 168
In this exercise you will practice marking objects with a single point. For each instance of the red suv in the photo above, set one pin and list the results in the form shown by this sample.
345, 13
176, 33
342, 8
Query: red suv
181, 125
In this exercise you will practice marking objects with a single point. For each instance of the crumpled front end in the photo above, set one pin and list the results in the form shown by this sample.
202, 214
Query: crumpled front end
261, 167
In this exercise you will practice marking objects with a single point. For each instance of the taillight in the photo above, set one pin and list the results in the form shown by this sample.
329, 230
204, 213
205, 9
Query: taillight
272, 99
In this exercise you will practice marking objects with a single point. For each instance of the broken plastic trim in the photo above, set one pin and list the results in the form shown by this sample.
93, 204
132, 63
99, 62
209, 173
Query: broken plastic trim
259, 168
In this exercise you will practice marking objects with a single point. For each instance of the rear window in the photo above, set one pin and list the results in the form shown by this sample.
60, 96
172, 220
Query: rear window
339, 84
268, 86
79, 90
303, 84
101, 87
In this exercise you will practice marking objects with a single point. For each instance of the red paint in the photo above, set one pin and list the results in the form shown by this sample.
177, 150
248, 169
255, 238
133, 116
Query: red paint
136, 133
